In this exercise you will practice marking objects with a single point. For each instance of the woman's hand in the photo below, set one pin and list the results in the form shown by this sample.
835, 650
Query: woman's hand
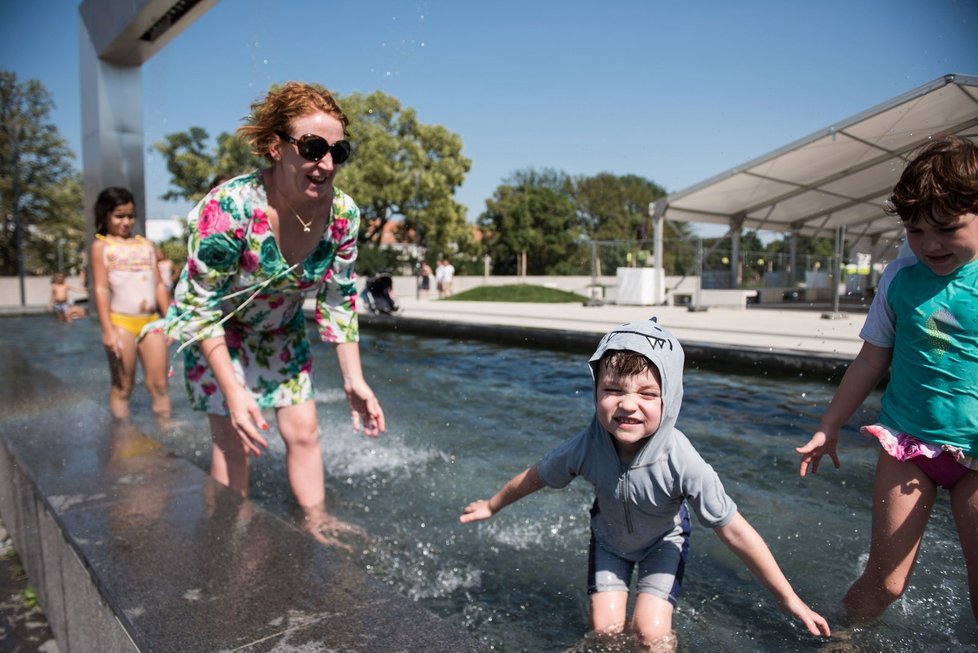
365, 408
246, 418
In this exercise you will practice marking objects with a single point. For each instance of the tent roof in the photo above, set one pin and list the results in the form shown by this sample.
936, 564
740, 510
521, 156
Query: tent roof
840, 175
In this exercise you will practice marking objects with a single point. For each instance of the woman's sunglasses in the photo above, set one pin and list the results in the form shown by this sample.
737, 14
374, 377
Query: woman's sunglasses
314, 148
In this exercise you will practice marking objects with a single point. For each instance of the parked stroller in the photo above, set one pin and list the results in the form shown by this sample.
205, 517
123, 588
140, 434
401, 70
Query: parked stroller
378, 293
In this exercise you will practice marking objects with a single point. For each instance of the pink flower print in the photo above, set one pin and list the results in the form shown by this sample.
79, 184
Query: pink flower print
275, 303
208, 388
213, 220
191, 268
249, 261
196, 372
338, 228
259, 223
239, 233
306, 367
232, 339
285, 356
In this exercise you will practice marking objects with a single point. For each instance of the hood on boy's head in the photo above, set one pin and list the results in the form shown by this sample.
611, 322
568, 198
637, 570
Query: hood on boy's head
661, 348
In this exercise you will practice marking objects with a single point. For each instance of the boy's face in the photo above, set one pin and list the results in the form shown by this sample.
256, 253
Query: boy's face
947, 247
629, 408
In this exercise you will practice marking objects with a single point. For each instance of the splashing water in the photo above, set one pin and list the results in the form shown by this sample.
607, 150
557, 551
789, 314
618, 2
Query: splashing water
463, 417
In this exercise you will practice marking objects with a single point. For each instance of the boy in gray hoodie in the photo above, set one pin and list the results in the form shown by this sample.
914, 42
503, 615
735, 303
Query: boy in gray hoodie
646, 476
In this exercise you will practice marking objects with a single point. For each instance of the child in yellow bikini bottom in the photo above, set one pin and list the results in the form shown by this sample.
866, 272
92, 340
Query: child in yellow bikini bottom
134, 324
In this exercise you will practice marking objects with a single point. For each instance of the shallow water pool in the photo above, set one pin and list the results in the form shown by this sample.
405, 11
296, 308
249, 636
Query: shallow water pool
464, 416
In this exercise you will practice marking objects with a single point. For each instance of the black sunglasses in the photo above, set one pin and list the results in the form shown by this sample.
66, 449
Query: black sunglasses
314, 148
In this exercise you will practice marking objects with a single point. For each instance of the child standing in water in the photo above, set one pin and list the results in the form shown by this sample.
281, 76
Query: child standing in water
129, 296
60, 300
923, 328
647, 476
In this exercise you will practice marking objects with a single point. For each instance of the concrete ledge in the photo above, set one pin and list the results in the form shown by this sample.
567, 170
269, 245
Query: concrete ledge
131, 548
736, 358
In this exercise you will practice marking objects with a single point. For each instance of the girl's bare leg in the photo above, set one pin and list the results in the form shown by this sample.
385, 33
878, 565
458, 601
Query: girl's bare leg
229, 461
152, 353
964, 505
123, 371
304, 456
903, 497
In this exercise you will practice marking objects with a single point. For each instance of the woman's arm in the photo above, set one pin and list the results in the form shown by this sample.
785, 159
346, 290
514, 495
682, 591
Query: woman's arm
242, 407
523, 484
364, 404
747, 544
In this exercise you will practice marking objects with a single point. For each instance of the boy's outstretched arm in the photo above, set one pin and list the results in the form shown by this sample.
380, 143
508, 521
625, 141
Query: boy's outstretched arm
526, 482
741, 538
863, 375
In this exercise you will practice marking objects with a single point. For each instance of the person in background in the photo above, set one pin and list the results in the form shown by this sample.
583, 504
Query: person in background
922, 328
129, 298
647, 476
257, 244
425, 273
60, 300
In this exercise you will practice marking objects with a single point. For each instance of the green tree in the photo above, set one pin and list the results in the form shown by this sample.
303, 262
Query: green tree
533, 215
616, 208
193, 168
39, 187
404, 170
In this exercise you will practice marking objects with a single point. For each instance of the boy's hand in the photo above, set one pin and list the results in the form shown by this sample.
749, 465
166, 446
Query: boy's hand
814, 622
476, 511
822, 443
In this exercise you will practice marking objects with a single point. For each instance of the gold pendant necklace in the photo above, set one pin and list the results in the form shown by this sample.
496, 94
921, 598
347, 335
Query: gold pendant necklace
305, 225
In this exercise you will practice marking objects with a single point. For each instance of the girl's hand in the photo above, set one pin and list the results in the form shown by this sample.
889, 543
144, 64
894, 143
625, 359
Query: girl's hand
246, 418
112, 344
476, 511
365, 409
822, 443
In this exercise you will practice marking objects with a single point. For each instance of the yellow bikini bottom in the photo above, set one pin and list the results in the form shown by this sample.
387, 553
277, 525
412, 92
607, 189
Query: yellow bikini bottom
132, 323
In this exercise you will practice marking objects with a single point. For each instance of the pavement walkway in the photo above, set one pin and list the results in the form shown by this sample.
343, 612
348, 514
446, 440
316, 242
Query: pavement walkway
790, 330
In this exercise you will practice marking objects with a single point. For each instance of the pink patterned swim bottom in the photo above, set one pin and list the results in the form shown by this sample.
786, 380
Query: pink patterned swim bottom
943, 464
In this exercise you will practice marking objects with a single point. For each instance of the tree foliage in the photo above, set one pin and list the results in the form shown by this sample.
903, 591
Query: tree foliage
193, 169
39, 185
533, 215
405, 170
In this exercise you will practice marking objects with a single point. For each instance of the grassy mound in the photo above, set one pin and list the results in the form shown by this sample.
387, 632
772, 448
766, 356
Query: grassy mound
517, 293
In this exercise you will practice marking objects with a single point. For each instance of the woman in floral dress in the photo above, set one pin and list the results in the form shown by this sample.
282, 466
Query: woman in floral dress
258, 243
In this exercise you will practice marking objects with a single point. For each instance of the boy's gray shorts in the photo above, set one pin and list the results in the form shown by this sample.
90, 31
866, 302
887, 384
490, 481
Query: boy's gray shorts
660, 572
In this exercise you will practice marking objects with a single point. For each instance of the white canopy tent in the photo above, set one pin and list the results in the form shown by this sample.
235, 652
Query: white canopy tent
835, 181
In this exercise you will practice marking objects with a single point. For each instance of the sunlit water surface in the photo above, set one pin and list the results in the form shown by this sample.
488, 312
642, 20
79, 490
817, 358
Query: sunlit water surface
464, 416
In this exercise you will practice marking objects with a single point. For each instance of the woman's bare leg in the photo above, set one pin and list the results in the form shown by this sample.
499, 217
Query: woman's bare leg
229, 461
304, 456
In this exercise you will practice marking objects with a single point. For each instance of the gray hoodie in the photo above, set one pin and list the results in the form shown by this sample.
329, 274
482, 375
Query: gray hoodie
638, 505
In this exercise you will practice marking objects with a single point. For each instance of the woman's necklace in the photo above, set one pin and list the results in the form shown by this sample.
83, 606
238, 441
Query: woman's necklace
305, 225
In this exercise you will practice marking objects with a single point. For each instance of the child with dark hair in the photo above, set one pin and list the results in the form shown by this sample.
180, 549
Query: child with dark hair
647, 477
129, 298
923, 328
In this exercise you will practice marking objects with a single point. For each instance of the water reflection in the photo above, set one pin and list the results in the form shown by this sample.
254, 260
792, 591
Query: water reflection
465, 416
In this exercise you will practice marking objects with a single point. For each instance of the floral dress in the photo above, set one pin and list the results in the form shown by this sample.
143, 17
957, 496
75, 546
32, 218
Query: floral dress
237, 284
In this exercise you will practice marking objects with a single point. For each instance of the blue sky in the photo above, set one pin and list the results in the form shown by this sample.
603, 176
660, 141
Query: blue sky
673, 91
